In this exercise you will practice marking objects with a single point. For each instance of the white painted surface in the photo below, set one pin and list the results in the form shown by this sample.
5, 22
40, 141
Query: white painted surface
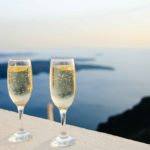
44, 130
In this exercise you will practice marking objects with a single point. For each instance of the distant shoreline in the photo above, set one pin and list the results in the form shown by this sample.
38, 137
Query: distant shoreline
42, 66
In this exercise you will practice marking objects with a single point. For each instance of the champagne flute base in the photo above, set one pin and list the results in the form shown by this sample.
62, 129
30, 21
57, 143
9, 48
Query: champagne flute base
61, 141
20, 136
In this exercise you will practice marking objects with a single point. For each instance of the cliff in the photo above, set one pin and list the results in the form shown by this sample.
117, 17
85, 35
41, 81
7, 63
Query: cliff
132, 124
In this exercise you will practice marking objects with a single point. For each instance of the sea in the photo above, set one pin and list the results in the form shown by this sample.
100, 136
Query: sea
109, 82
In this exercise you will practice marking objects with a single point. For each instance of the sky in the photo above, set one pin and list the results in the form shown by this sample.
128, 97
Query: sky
64, 24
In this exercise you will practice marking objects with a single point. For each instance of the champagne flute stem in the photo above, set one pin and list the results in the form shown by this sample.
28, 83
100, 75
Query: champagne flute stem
63, 113
20, 111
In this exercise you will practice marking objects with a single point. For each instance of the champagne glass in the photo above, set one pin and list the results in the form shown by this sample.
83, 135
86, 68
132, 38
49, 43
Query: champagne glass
19, 80
62, 88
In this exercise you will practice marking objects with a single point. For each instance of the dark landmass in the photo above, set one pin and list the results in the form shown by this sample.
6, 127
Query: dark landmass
16, 54
84, 59
42, 66
98, 54
132, 124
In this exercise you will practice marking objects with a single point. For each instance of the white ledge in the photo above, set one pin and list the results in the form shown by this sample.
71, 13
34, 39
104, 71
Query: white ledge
44, 130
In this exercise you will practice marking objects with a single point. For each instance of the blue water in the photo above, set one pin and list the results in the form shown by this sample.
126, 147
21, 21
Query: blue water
101, 92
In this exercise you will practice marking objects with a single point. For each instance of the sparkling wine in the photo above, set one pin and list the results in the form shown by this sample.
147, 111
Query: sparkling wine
20, 84
62, 85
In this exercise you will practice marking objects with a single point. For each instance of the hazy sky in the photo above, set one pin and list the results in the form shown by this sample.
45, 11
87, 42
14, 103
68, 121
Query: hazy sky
60, 24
